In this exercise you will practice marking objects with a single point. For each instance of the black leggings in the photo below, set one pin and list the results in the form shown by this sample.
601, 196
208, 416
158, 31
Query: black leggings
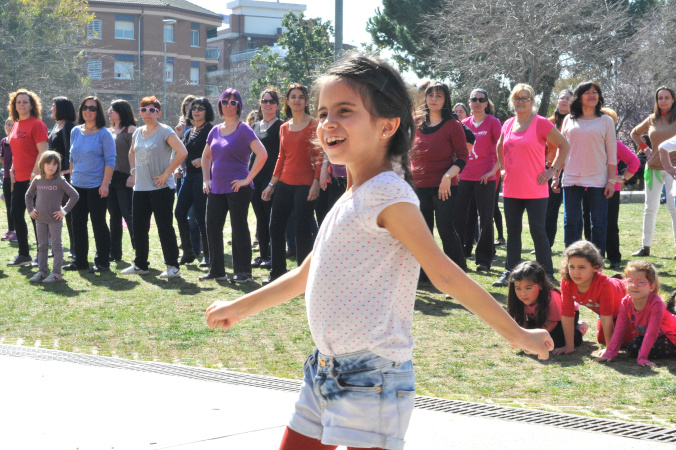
663, 348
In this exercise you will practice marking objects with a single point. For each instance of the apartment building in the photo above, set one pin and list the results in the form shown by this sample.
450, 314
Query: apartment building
130, 40
251, 25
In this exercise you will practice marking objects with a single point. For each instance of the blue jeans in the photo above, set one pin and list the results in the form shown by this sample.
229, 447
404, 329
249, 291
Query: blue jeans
357, 400
572, 215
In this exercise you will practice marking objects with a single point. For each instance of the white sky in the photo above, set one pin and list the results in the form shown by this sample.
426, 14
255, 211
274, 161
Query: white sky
355, 14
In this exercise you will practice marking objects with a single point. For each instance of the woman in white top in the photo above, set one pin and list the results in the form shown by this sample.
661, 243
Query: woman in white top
590, 166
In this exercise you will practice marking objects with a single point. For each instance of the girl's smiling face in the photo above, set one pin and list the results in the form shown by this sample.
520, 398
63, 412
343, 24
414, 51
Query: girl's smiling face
347, 131
527, 291
638, 285
581, 270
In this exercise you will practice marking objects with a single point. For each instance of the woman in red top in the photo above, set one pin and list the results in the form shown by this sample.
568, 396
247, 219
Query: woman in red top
439, 154
28, 140
295, 181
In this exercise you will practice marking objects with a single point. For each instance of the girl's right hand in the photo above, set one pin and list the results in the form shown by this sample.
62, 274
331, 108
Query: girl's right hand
34, 214
221, 315
603, 359
648, 152
206, 186
563, 350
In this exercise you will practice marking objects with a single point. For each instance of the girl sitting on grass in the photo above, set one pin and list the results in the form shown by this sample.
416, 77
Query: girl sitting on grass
48, 189
644, 310
533, 302
360, 279
583, 282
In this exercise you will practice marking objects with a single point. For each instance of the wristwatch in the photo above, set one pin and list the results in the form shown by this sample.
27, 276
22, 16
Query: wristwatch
271, 185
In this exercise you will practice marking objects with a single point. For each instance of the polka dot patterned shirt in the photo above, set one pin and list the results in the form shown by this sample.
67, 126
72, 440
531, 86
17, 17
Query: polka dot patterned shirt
362, 281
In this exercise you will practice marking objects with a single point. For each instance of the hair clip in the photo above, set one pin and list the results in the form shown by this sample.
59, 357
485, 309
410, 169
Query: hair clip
384, 83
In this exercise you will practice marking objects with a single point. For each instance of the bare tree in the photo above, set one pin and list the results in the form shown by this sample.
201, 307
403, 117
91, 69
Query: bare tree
525, 41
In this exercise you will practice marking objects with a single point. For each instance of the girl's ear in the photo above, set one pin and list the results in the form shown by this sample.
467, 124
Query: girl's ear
389, 127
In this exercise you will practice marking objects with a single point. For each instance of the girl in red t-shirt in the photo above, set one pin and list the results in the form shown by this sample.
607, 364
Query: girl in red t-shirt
533, 302
582, 282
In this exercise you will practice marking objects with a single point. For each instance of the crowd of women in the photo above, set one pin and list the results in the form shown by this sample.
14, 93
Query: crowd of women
462, 159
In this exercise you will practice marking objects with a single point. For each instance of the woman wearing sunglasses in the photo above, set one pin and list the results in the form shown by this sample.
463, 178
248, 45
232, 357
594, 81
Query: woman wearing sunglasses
478, 181
92, 161
156, 152
200, 115
521, 154
295, 180
267, 131
229, 187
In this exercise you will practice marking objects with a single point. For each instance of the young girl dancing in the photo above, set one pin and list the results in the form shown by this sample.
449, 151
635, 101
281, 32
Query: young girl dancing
360, 280
583, 282
534, 303
643, 309
48, 188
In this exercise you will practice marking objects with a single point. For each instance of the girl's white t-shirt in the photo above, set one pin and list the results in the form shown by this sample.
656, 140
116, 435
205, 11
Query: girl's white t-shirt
362, 281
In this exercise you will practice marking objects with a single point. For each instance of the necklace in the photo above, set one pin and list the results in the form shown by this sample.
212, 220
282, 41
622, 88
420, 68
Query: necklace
89, 129
196, 130
266, 124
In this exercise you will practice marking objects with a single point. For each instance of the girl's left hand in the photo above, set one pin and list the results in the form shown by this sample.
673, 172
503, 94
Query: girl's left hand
535, 342
236, 184
314, 191
130, 181
103, 191
58, 215
648, 364
197, 163
34, 214
159, 183
445, 188
603, 359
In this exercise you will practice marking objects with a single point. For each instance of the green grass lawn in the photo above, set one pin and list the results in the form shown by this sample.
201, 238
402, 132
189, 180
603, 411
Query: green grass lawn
456, 355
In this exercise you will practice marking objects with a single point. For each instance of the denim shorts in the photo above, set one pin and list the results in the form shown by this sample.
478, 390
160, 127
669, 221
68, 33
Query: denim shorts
357, 400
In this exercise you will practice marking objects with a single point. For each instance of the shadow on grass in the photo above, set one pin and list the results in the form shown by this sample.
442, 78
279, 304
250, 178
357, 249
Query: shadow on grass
63, 289
179, 283
110, 280
627, 365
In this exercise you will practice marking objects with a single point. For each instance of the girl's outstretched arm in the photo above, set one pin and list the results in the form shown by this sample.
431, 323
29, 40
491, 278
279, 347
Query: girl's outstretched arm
406, 223
224, 314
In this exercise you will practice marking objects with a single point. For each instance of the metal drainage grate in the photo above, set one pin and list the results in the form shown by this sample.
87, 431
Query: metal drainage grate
568, 421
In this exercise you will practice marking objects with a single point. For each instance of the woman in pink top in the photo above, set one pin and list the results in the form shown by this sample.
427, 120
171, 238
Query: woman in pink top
521, 154
591, 164
478, 180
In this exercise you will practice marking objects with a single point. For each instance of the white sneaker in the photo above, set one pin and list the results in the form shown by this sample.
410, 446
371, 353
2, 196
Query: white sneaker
171, 272
133, 270
38, 277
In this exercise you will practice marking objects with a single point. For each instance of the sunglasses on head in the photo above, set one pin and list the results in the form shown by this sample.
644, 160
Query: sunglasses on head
197, 108
150, 109
89, 108
265, 101
226, 102
478, 99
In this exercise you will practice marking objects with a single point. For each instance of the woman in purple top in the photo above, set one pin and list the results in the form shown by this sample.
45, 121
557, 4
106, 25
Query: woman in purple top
478, 180
228, 185
6, 160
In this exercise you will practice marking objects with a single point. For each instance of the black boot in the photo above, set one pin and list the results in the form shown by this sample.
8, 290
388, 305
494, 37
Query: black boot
206, 262
188, 253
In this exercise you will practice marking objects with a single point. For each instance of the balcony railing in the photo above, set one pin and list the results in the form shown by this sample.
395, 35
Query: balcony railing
246, 55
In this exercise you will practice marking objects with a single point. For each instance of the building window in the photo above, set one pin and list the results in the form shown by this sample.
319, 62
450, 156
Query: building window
194, 75
168, 33
94, 69
169, 74
124, 29
124, 70
194, 38
94, 29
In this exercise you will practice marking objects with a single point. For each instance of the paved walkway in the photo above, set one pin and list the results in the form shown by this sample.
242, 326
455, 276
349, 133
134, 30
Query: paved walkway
56, 405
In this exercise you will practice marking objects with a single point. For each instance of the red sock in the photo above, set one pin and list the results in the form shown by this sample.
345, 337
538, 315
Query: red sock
293, 440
